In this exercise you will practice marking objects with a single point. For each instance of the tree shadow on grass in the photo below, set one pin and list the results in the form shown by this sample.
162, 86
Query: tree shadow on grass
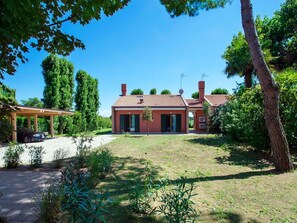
244, 157
237, 176
125, 173
227, 217
239, 154
217, 141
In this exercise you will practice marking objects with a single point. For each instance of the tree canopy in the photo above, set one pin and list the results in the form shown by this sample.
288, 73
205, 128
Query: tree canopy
166, 91
38, 24
220, 91
34, 102
137, 91
195, 95
153, 91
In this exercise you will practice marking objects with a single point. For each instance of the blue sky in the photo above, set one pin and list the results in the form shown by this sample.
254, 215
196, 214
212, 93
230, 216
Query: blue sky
145, 48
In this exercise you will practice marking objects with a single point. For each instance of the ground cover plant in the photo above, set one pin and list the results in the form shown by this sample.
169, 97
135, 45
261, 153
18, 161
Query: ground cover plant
232, 181
12, 155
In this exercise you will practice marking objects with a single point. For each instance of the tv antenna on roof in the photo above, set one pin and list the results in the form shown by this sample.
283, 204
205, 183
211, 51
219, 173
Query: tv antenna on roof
203, 76
182, 75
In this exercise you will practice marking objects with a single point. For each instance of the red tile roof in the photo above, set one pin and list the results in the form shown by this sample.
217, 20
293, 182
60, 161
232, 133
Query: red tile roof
150, 100
194, 103
217, 99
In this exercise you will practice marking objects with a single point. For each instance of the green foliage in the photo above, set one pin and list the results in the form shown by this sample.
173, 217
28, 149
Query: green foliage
176, 204
243, 116
36, 153
287, 81
83, 147
87, 100
99, 163
220, 91
49, 203
58, 157
143, 193
280, 37
59, 88
104, 122
137, 91
192, 7
166, 91
79, 203
195, 95
153, 91
12, 155
238, 59
38, 24
7, 101
51, 74
243, 119
33, 102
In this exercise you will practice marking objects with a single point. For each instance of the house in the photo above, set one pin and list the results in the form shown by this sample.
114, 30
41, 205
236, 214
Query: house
170, 112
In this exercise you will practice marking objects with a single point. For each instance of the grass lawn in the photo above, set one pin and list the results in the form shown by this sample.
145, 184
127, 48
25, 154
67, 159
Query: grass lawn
233, 184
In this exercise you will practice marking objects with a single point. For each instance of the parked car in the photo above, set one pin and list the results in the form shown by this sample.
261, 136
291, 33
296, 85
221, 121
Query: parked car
28, 135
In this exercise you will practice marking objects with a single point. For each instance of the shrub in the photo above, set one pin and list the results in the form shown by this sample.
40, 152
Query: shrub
36, 153
49, 203
83, 147
99, 163
58, 157
176, 204
143, 193
12, 155
79, 203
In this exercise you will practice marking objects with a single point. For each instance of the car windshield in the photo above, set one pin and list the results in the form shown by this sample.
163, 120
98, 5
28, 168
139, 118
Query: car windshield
26, 130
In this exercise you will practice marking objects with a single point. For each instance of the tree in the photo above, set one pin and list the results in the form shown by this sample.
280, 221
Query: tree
7, 102
280, 36
51, 74
165, 91
87, 100
66, 93
220, 91
195, 95
34, 102
279, 145
147, 116
58, 92
38, 24
238, 59
153, 91
137, 91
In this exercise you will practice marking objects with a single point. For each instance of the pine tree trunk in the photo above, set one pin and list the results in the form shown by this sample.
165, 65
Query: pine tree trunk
270, 90
248, 81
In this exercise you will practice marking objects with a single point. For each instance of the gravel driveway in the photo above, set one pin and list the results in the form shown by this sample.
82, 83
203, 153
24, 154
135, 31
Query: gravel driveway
52, 144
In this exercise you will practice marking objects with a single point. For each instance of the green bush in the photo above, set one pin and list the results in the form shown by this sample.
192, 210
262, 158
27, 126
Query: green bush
99, 163
12, 155
49, 203
58, 157
36, 153
83, 147
242, 117
79, 202
176, 204
143, 193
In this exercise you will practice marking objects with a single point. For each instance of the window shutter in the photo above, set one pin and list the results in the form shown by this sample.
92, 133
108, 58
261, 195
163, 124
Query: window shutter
137, 123
122, 123
178, 123
163, 123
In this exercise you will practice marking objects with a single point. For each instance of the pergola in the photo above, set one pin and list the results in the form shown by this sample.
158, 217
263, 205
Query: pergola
35, 112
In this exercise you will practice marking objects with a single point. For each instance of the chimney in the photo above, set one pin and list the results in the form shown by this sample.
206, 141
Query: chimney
201, 87
124, 89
